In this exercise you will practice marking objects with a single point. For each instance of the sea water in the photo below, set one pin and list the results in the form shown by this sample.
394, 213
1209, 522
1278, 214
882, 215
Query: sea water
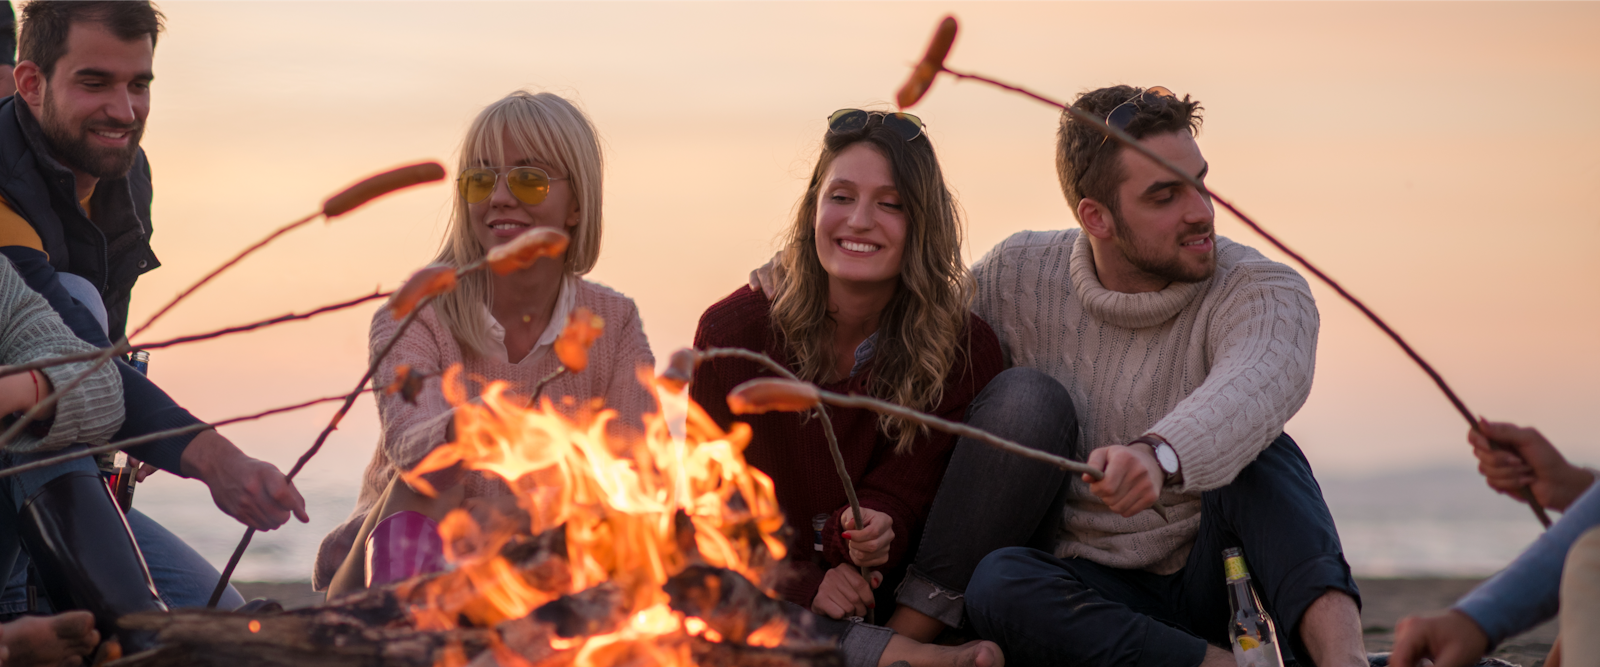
1441, 522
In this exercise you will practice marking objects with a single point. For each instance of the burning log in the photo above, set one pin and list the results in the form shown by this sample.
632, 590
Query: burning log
228, 639
372, 629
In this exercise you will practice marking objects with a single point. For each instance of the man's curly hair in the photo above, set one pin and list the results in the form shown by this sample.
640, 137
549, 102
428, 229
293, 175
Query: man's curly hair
1087, 160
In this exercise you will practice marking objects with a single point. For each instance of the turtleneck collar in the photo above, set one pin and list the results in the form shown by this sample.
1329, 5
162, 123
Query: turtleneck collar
1131, 311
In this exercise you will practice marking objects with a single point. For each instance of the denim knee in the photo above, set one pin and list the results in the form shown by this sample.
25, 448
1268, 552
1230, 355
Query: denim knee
1026, 388
990, 589
1023, 401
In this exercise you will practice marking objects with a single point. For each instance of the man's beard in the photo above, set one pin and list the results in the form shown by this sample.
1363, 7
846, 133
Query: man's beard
71, 146
1169, 268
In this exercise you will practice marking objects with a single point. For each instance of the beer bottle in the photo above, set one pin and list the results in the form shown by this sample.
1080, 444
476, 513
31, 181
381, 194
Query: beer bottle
140, 361
123, 469
1250, 630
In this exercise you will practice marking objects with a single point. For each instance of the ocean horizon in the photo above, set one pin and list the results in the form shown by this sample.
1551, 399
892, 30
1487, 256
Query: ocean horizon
1436, 522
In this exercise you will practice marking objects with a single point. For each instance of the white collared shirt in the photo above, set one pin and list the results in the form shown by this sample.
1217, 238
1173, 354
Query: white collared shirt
558, 321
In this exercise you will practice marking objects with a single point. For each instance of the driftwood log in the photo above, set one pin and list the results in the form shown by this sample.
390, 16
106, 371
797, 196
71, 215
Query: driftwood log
333, 637
375, 627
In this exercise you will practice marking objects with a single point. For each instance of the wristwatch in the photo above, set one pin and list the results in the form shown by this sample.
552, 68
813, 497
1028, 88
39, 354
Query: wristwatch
1166, 457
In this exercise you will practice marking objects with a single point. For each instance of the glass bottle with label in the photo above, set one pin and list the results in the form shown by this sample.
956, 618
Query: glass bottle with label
1250, 630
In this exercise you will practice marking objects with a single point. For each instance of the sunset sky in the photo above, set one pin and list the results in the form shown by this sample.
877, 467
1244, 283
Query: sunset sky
1442, 160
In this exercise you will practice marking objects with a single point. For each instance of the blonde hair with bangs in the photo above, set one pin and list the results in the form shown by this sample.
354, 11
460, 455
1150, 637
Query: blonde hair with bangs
554, 131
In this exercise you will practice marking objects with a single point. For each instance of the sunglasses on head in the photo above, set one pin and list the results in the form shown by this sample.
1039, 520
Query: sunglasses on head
854, 120
1123, 114
530, 185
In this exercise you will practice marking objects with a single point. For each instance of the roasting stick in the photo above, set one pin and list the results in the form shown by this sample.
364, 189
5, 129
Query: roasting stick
339, 204
160, 435
407, 303
194, 338
780, 394
933, 63
349, 400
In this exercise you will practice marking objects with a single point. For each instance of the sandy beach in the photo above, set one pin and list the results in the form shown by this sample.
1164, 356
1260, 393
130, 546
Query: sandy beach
1384, 603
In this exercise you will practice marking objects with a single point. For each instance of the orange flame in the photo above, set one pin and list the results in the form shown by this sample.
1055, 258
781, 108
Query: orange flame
621, 504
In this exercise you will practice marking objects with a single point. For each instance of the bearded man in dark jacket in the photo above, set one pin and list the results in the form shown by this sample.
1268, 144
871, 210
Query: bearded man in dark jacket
75, 221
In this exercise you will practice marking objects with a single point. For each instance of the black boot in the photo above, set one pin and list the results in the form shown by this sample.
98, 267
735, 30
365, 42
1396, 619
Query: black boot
87, 556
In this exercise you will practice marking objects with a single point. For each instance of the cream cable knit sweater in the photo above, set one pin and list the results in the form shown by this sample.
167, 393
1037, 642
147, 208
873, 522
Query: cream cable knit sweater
29, 331
1215, 367
409, 431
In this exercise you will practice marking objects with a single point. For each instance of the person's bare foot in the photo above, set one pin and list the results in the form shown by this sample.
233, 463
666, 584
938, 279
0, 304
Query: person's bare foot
979, 654
49, 641
970, 654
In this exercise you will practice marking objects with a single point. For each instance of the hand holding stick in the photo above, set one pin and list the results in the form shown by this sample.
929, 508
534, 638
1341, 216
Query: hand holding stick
932, 64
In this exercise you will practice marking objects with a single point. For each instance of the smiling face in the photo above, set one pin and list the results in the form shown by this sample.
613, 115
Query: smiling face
502, 217
93, 106
861, 224
1163, 231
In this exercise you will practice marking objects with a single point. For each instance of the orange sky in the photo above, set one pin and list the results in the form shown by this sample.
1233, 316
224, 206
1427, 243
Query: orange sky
1440, 159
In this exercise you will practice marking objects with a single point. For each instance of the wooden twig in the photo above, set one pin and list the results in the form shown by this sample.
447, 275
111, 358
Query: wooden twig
192, 338
354, 196
220, 269
827, 430
159, 435
1129, 141
539, 388
372, 369
959, 429
349, 399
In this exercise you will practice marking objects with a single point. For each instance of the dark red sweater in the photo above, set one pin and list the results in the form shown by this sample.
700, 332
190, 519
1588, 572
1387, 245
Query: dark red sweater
794, 452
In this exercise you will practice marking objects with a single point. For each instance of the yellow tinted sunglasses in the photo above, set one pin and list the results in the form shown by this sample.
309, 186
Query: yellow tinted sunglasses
530, 185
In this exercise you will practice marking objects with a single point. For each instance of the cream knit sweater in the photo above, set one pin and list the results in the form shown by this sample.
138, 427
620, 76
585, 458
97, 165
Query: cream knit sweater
410, 431
1216, 368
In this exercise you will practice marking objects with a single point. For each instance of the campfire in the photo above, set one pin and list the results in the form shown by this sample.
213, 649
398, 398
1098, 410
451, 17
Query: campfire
650, 549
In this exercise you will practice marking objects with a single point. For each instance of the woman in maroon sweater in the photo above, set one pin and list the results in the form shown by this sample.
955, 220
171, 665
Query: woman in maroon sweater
870, 297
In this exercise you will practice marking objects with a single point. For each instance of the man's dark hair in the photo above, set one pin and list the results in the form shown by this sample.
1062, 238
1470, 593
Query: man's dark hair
1087, 162
45, 23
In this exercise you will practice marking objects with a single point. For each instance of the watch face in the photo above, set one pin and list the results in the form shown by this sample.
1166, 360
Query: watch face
1167, 458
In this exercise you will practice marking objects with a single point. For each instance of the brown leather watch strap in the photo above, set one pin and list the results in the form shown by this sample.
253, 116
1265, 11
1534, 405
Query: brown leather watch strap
1156, 441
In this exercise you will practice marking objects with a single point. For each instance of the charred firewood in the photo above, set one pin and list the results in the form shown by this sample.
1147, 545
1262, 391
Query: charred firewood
724, 599
595, 611
227, 639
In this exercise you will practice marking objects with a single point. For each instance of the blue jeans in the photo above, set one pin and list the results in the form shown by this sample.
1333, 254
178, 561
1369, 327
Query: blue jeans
1044, 610
990, 499
182, 576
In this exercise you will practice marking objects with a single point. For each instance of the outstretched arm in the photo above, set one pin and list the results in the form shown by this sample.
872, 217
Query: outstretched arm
1521, 596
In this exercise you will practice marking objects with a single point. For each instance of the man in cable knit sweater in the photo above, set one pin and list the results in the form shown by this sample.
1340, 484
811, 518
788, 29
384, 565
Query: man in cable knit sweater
1169, 358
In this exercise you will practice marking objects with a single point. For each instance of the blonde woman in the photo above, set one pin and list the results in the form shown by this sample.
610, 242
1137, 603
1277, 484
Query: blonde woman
872, 298
528, 160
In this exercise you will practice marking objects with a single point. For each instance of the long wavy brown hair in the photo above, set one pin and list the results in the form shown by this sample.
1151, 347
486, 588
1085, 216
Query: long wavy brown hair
922, 333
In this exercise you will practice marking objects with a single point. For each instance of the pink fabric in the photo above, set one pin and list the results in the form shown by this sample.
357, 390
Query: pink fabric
403, 545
